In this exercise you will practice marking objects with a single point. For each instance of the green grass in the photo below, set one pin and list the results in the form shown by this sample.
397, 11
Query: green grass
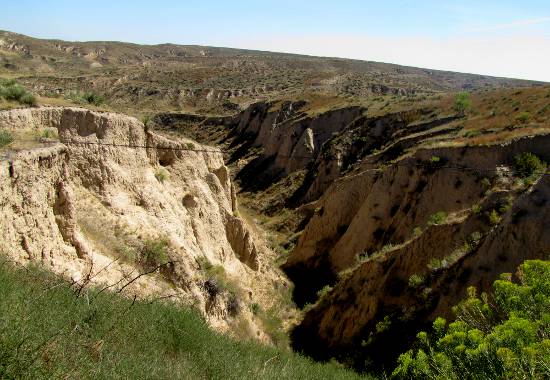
6, 138
12, 91
46, 331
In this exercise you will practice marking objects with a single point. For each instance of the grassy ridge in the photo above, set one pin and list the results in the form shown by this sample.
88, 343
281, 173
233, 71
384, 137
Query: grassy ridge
46, 331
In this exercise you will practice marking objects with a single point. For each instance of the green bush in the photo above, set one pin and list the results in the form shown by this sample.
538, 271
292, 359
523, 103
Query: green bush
506, 336
437, 218
154, 252
416, 280
255, 308
527, 164
12, 91
93, 98
462, 102
47, 332
28, 99
494, 217
523, 117
5, 138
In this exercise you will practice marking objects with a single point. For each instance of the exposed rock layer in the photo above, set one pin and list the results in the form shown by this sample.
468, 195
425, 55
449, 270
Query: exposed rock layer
86, 206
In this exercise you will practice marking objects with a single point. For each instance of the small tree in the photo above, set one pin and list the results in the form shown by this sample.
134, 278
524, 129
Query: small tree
462, 102
505, 336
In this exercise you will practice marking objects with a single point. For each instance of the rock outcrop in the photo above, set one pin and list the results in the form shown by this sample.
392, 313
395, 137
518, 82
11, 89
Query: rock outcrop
401, 244
92, 205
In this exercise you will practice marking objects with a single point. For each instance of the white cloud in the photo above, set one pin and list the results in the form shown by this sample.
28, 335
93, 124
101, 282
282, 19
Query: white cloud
511, 25
525, 57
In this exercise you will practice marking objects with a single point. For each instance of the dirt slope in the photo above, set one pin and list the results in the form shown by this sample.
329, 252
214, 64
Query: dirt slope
92, 208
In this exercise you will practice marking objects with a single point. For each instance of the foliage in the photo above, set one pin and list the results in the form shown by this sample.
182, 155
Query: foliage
462, 102
486, 183
146, 119
523, 117
93, 98
417, 231
437, 218
528, 164
5, 138
12, 91
47, 331
416, 280
28, 99
494, 217
323, 292
506, 336
88, 97
161, 175
154, 252
255, 308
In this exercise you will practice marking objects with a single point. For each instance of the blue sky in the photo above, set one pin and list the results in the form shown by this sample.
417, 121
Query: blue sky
506, 38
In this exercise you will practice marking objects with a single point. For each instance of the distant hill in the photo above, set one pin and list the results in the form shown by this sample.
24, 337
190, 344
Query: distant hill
170, 77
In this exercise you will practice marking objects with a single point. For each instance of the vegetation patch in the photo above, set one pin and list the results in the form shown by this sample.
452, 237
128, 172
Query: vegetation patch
504, 336
10, 90
528, 164
438, 218
48, 331
462, 103
6, 138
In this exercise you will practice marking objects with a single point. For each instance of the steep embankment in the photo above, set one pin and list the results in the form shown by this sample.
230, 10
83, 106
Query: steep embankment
112, 203
400, 245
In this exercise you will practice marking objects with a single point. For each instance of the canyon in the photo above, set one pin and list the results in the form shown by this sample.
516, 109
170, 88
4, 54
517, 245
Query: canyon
331, 206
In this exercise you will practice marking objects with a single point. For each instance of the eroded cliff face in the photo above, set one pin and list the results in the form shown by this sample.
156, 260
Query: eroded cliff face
401, 244
111, 200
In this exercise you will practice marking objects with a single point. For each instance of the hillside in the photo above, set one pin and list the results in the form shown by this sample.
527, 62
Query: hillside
209, 79
48, 331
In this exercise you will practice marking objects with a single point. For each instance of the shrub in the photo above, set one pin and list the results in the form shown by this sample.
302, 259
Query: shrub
500, 337
435, 264
28, 99
13, 92
476, 209
486, 182
146, 119
416, 281
494, 217
523, 117
93, 98
255, 308
161, 175
437, 218
527, 164
154, 252
462, 102
5, 138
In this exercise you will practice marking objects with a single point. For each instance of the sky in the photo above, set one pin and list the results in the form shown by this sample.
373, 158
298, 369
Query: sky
492, 37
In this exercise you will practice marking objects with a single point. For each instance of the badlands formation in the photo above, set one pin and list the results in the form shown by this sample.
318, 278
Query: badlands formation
98, 205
